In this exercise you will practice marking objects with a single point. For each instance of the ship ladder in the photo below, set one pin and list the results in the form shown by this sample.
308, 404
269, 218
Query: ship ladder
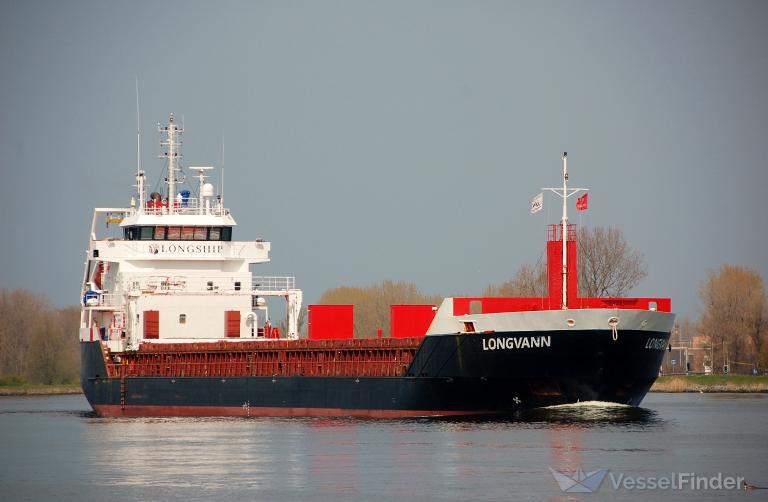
122, 387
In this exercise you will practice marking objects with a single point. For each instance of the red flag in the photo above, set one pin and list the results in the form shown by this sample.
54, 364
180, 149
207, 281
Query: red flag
582, 203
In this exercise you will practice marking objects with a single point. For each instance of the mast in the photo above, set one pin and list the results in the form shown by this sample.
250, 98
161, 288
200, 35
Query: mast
564, 231
172, 142
564, 193
139, 172
221, 190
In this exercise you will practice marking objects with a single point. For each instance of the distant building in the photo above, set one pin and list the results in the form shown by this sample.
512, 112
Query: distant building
690, 352
702, 358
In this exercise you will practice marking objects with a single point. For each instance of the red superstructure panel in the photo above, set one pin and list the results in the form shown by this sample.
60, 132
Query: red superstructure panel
658, 304
409, 321
554, 271
232, 324
330, 322
555, 266
495, 304
573, 274
97, 275
151, 324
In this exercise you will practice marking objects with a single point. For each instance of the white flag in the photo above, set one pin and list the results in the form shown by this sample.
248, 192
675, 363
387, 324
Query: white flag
537, 203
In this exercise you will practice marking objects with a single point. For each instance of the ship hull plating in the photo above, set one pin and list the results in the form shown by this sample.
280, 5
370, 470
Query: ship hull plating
454, 374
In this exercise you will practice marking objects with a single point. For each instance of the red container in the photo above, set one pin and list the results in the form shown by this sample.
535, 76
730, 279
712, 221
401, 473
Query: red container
330, 322
410, 321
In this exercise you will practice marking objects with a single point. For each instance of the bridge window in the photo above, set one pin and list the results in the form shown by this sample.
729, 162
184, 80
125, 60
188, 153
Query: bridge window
187, 233
201, 233
174, 233
163, 233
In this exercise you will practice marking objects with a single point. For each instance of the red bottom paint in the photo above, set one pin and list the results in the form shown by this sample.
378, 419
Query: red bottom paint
115, 410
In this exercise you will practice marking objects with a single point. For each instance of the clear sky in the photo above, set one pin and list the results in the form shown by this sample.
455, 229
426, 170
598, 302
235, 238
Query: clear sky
396, 139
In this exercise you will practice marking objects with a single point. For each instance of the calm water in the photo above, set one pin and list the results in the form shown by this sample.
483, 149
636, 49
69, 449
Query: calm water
53, 447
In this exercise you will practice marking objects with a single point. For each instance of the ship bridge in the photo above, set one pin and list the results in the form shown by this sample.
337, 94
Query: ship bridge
170, 270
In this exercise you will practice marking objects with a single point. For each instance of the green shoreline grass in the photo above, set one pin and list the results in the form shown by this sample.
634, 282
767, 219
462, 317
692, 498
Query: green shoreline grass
39, 390
711, 383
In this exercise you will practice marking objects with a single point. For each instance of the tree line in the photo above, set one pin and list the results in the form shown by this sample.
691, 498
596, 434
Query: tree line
38, 343
734, 318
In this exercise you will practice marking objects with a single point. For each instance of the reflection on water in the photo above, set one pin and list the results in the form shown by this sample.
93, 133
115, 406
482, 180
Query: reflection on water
592, 414
345, 457
595, 415
55, 448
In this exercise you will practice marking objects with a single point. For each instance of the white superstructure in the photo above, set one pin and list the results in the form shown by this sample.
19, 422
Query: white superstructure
174, 274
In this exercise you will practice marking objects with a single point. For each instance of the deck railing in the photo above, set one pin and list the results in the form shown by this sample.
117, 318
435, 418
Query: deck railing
103, 300
164, 285
273, 283
190, 206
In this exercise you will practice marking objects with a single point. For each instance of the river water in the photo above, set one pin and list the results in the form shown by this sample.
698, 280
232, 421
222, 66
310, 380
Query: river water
53, 447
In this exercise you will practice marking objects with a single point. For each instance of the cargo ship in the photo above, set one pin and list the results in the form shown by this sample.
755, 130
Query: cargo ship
174, 323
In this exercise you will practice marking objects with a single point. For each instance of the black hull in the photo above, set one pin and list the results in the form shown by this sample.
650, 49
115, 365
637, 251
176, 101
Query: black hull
450, 375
